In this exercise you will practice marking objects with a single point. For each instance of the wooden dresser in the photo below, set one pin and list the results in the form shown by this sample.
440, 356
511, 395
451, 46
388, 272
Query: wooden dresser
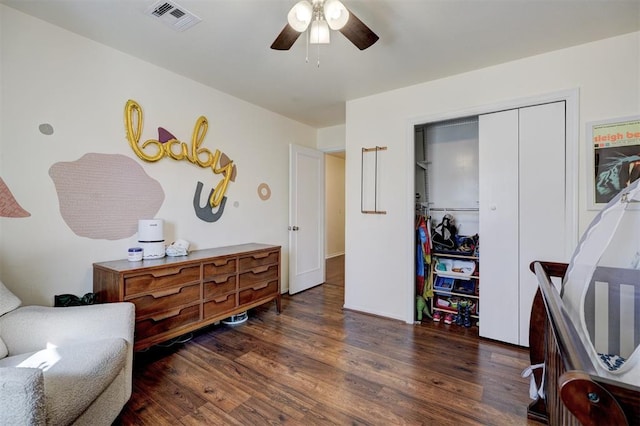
176, 295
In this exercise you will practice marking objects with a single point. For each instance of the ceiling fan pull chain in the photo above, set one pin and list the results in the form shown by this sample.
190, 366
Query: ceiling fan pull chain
318, 56
306, 59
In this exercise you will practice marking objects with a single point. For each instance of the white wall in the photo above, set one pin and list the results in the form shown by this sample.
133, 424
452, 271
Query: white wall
50, 75
377, 277
332, 138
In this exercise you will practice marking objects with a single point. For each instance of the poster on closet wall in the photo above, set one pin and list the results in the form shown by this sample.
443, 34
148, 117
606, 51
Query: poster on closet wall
614, 148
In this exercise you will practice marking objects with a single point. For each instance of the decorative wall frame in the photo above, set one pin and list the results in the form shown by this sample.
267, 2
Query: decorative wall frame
369, 184
614, 158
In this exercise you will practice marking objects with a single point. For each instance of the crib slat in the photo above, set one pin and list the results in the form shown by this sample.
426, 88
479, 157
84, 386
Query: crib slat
603, 307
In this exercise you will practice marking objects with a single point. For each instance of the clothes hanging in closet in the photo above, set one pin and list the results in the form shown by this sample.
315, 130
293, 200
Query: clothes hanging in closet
424, 283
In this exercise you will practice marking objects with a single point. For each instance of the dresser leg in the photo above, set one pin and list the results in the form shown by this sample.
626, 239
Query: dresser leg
279, 303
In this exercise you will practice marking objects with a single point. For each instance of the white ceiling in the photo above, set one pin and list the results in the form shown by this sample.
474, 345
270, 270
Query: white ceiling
420, 40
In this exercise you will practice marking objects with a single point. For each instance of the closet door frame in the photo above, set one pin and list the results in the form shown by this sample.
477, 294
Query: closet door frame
571, 97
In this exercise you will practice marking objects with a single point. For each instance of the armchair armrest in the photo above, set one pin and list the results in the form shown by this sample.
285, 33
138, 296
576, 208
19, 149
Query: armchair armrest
32, 328
22, 396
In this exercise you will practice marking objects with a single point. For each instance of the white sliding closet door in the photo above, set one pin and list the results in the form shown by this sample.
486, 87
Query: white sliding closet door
499, 187
542, 197
522, 212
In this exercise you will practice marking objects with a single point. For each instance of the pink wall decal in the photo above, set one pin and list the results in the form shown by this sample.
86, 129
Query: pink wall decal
9, 207
102, 196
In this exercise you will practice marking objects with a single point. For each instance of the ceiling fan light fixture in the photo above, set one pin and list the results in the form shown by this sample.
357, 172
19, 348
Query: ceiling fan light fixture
336, 14
300, 15
319, 33
318, 17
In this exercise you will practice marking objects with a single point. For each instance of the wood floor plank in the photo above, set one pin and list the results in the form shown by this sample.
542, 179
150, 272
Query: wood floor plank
144, 410
209, 414
207, 384
295, 405
178, 400
383, 369
318, 364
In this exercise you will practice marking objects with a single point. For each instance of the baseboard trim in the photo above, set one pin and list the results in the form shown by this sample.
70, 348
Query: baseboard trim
329, 256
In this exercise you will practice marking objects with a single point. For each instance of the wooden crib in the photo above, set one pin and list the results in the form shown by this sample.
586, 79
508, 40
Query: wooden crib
574, 393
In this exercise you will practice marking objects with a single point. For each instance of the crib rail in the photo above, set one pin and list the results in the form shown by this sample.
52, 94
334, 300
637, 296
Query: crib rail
566, 336
574, 395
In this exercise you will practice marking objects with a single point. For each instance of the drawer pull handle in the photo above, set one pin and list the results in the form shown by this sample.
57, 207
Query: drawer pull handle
260, 287
166, 315
221, 299
166, 272
218, 280
260, 255
165, 293
222, 262
260, 270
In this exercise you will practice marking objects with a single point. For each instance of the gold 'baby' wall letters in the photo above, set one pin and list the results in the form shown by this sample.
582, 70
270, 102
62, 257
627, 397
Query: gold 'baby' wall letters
173, 148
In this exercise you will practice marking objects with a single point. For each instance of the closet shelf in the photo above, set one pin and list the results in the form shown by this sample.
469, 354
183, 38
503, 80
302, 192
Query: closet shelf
456, 275
453, 209
454, 255
423, 164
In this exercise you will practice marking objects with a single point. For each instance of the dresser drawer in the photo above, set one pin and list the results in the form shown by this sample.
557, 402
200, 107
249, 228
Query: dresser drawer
259, 259
161, 278
259, 274
219, 285
164, 299
219, 266
167, 321
258, 292
219, 305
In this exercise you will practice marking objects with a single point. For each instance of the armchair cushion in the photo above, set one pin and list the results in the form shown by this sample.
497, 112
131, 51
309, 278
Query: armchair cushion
32, 328
22, 396
8, 302
3, 349
74, 375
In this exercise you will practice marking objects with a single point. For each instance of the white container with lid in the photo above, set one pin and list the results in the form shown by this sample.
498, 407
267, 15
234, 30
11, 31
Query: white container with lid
135, 254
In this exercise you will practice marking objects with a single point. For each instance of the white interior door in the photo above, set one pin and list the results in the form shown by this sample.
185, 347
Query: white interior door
306, 218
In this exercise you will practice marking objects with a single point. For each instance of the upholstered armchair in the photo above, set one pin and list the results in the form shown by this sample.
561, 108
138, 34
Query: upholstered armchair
61, 366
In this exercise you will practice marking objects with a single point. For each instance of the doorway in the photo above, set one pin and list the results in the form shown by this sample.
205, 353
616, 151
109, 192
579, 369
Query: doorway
334, 203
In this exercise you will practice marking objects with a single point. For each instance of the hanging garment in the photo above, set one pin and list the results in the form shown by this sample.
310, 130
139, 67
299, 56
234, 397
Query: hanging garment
423, 259
421, 238
428, 287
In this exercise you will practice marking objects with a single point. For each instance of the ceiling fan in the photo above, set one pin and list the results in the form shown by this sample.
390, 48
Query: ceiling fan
319, 16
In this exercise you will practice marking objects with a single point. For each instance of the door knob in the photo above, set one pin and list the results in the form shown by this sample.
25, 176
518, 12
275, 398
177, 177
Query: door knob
295, 228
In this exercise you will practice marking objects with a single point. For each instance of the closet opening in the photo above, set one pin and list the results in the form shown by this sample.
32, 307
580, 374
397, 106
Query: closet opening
508, 172
447, 222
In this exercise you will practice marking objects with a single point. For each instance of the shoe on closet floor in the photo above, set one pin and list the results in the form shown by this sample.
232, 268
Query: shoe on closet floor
448, 319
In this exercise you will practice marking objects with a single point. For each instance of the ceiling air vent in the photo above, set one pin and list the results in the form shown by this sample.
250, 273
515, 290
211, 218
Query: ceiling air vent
177, 17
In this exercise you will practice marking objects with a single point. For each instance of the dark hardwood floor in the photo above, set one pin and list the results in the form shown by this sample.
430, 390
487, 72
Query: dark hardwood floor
316, 363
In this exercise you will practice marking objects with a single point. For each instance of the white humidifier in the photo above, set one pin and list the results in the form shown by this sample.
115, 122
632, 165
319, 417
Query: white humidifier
151, 238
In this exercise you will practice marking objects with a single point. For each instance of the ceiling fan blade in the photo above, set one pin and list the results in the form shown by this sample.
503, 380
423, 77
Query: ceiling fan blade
286, 38
358, 33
